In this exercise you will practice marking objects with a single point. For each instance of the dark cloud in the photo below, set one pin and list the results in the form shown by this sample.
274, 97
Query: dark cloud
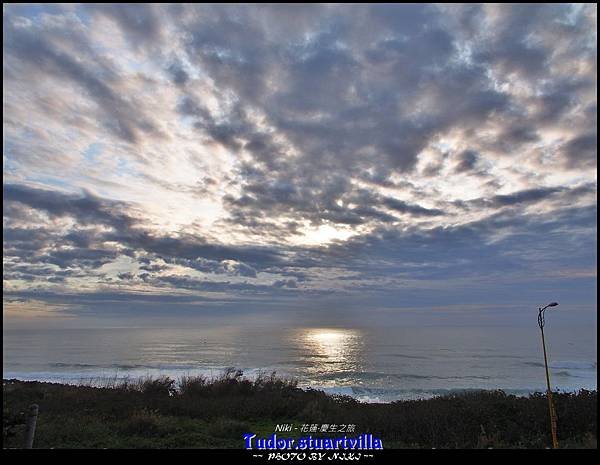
535, 195
187, 282
582, 151
125, 276
510, 51
178, 74
289, 283
466, 161
88, 209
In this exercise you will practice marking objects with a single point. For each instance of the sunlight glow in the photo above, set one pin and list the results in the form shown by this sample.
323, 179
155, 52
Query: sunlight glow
323, 235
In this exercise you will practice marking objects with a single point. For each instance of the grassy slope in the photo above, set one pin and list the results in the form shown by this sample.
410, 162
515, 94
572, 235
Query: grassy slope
215, 414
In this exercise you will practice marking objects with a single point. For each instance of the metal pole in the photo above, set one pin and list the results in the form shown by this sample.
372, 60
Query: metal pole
548, 391
31, 422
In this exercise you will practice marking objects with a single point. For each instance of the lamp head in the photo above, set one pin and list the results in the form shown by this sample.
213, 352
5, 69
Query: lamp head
551, 304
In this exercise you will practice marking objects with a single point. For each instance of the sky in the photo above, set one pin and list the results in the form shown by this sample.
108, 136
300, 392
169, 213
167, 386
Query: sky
316, 164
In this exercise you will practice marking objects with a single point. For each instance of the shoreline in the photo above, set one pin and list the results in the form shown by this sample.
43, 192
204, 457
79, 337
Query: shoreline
362, 393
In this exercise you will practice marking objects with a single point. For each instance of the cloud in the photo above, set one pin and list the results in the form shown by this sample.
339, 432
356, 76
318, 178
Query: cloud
140, 23
582, 150
466, 161
87, 209
41, 49
296, 154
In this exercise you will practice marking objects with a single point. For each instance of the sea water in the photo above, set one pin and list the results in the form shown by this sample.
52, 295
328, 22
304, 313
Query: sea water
370, 364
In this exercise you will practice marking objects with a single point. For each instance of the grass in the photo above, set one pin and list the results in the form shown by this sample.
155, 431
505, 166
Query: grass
196, 412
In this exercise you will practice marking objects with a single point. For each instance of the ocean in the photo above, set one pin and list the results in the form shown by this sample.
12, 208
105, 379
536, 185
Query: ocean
370, 364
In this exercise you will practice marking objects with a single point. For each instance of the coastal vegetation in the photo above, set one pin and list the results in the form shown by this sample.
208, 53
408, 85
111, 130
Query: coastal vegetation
196, 412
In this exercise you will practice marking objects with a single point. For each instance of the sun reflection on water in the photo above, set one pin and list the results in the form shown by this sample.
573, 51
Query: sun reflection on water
333, 349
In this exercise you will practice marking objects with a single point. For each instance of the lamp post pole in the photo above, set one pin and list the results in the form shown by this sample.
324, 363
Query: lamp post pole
541, 323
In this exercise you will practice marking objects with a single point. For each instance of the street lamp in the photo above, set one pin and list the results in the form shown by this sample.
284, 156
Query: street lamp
541, 323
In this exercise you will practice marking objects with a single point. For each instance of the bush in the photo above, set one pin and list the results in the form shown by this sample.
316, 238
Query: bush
142, 423
193, 385
163, 386
229, 428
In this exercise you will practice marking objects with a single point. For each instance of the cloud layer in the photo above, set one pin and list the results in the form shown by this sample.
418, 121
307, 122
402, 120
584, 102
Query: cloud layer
228, 158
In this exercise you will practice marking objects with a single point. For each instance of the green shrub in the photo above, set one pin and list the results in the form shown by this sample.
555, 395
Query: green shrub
163, 386
143, 422
229, 428
193, 385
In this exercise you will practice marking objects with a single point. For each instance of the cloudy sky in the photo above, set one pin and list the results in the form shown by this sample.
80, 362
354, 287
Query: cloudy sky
320, 163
